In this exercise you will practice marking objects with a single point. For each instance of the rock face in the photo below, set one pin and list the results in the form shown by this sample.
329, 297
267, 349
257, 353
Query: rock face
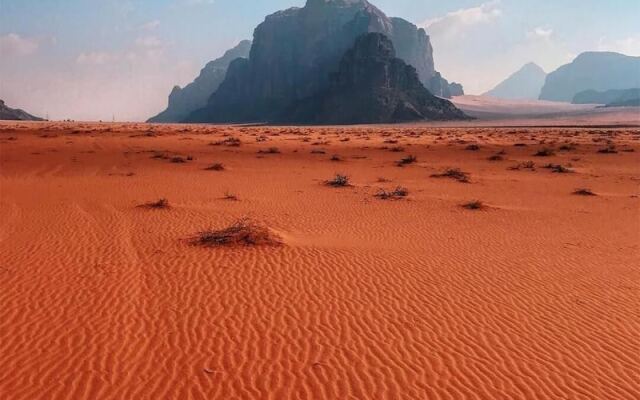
195, 95
295, 51
372, 86
598, 71
525, 84
606, 97
13, 114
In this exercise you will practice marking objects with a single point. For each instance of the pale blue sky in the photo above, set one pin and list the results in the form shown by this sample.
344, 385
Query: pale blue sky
90, 59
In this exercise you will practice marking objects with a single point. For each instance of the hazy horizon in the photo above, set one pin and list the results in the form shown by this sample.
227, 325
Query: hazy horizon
89, 60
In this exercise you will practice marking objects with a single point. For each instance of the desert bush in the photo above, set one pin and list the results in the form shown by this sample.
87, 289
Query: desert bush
397, 193
474, 205
243, 232
545, 152
157, 205
584, 192
453, 173
557, 168
339, 180
407, 161
215, 167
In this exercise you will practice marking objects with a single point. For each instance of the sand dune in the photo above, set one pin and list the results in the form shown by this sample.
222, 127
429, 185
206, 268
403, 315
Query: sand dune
534, 297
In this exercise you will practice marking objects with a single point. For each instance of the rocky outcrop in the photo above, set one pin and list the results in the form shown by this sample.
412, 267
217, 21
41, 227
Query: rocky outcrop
295, 51
13, 114
525, 84
598, 71
372, 86
195, 95
440, 87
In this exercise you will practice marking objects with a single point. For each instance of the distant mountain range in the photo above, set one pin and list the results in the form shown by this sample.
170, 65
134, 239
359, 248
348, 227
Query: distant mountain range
611, 98
295, 54
598, 71
14, 114
525, 84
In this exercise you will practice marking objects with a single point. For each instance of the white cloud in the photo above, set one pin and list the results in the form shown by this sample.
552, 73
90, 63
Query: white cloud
13, 44
149, 42
540, 33
96, 58
629, 45
456, 22
150, 26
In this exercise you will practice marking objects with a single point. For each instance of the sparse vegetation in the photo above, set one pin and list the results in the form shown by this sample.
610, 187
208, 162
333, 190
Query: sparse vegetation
243, 232
336, 157
496, 157
453, 173
545, 152
530, 165
557, 168
339, 180
230, 196
407, 161
474, 205
270, 150
567, 147
230, 142
584, 192
472, 147
608, 150
215, 167
161, 204
397, 193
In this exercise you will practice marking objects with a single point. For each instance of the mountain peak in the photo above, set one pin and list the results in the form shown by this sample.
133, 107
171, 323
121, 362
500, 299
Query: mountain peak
526, 83
533, 67
372, 86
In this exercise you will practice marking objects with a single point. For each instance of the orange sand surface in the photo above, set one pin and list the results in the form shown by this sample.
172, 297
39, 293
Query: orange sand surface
534, 296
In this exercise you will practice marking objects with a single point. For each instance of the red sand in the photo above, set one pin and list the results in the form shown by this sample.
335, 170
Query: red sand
534, 297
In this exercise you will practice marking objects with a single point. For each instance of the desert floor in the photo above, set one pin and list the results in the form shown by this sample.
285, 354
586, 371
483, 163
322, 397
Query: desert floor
536, 295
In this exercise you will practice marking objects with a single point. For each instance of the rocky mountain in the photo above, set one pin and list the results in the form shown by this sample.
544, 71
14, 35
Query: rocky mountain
14, 114
525, 84
295, 51
372, 86
184, 101
606, 97
598, 71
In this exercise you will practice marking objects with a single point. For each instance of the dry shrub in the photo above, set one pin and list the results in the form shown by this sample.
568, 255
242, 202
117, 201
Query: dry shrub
472, 147
243, 232
161, 204
474, 205
453, 173
584, 192
559, 169
340, 180
397, 193
524, 165
215, 167
407, 161
270, 150
545, 152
